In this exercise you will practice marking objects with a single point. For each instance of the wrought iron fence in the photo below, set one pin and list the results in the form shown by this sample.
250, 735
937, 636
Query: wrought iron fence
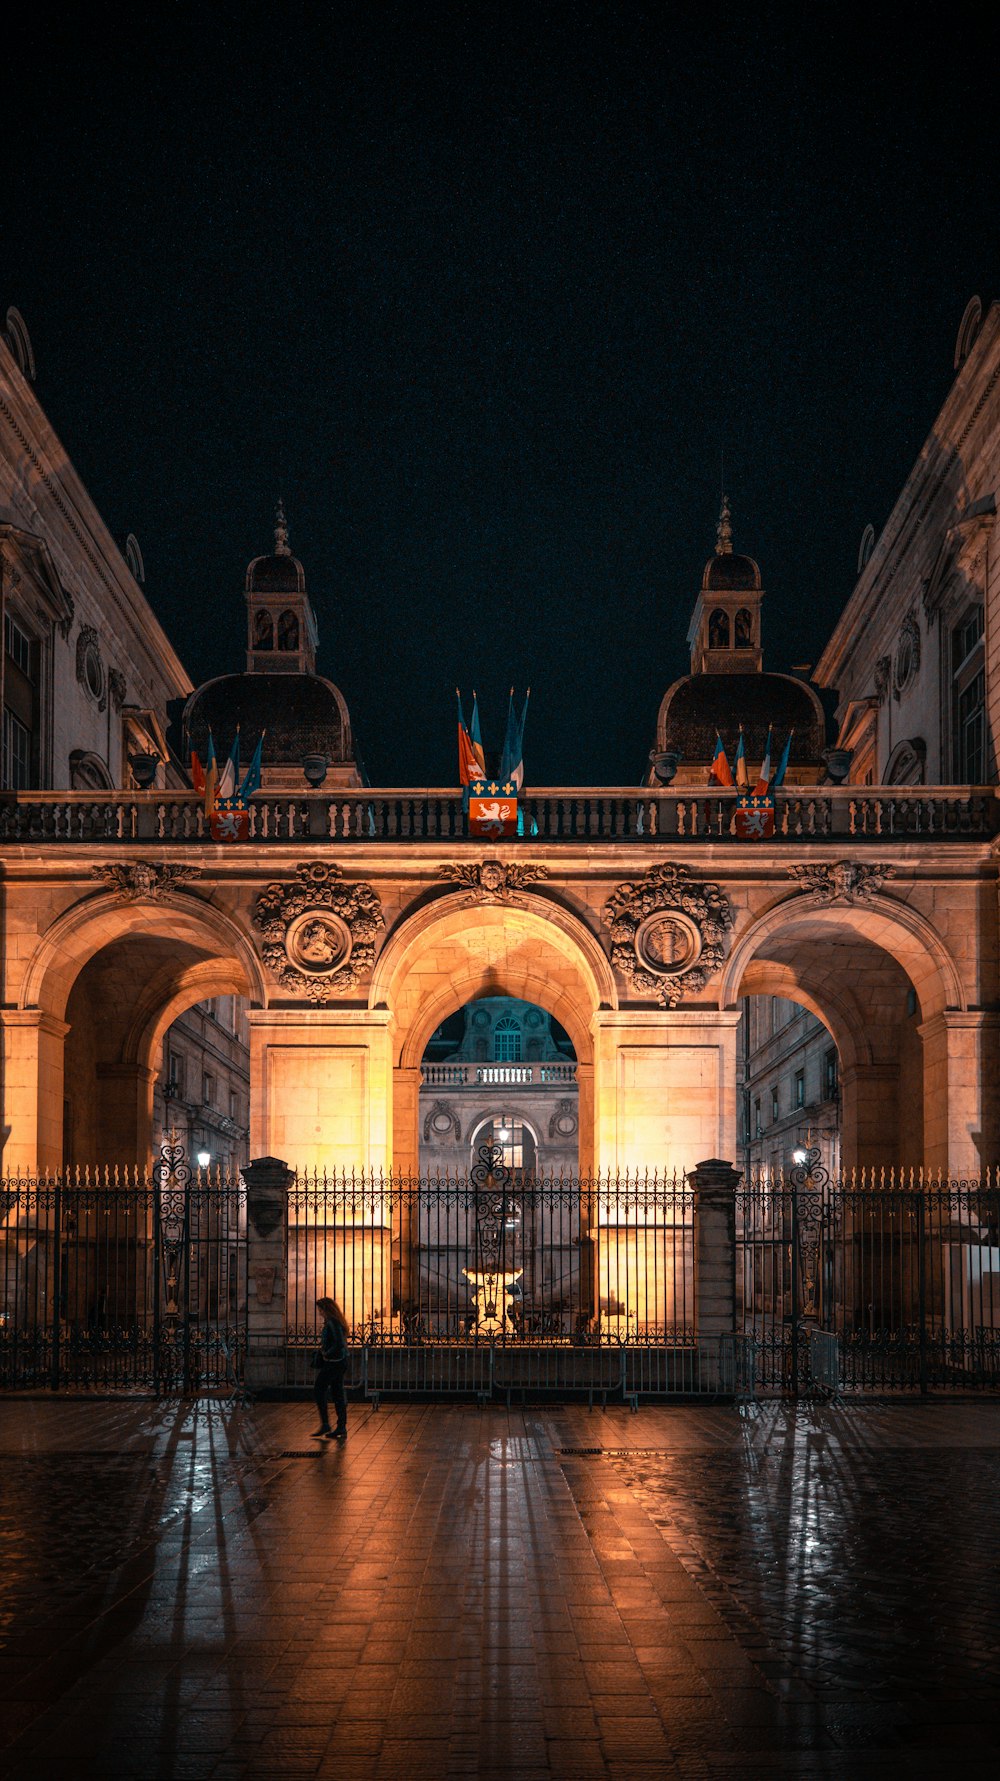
118, 1278
554, 1271
899, 1270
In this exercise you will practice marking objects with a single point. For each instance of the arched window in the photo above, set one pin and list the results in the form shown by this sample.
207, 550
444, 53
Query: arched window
511, 1136
744, 629
718, 630
905, 765
263, 630
507, 1041
288, 631
88, 772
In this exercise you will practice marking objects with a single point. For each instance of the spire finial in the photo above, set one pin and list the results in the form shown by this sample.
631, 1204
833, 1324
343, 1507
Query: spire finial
281, 547
724, 531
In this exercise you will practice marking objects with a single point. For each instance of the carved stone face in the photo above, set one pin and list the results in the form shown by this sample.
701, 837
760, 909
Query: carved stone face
491, 876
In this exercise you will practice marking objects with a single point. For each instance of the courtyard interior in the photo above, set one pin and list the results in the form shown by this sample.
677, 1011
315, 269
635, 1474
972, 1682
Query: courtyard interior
195, 1589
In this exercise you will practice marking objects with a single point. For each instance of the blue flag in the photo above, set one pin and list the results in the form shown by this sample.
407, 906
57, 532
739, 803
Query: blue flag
251, 783
779, 777
512, 760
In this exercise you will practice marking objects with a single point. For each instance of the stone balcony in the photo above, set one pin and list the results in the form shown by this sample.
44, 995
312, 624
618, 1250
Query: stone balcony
561, 814
504, 1075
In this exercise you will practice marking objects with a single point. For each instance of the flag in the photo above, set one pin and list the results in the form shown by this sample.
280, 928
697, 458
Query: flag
197, 774
477, 735
512, 759
468, 765
211, 776
720, 771
742, 777
764, 777
230, 774
251, 783
779, 777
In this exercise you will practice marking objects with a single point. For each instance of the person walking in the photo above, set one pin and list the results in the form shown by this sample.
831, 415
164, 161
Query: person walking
331, 1371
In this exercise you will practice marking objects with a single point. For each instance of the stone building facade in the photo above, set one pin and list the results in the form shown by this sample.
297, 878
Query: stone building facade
508, 1082
353, 921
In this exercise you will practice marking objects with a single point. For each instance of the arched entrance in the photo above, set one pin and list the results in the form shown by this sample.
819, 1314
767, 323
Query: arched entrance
105, 984
884, 985
451, 953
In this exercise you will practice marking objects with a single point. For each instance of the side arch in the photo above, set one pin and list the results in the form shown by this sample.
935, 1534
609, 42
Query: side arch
81, 931
902, 932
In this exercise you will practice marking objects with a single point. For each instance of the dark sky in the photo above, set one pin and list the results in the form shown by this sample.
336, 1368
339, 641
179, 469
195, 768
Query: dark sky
483, 291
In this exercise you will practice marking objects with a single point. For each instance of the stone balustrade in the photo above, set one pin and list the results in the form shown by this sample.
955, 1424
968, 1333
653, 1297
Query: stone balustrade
503, 1075
556, 814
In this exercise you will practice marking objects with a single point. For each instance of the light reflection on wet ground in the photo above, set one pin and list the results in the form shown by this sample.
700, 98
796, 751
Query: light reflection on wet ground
460, 1593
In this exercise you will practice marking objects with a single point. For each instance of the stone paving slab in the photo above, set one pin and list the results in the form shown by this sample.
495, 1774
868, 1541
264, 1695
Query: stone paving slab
192, 1590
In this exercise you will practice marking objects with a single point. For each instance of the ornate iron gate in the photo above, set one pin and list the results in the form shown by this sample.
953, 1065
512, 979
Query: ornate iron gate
120, 1278
875, 1281
499, 1280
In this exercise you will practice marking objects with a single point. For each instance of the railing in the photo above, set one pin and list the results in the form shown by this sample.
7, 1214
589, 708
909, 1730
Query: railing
873, 1281
513, 1075
560, 814
117, 1278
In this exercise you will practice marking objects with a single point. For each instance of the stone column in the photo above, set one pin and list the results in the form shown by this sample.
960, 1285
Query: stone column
961, 1091
268, 1180
715, 1182
32, 1122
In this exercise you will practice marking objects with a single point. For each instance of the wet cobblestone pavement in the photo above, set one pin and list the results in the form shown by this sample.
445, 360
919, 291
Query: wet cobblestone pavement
196, 1591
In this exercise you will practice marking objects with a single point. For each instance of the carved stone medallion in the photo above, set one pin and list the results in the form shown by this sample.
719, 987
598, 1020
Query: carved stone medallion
493, 881
668, 932
318, 932
137, 880
843, 883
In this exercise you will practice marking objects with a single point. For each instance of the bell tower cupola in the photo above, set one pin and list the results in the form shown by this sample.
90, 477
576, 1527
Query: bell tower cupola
724, 633
281, 624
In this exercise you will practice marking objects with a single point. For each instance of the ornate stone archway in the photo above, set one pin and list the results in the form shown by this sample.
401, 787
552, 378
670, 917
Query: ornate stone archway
460, 947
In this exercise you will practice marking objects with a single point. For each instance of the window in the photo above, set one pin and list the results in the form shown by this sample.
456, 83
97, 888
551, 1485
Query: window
758, 1124
507, 1041
175, 1074
744, 629
511, 1137
19, 647
263, 630
718, 630
234, 1106
20, 717
208, 1090
774, 1105
288, 631
800, 1088
16, 754
969, 698
831, 1075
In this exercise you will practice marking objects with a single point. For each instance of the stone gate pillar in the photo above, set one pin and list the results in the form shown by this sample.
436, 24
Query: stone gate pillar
267, 1181
715, 1182
33, 1066
961, 1091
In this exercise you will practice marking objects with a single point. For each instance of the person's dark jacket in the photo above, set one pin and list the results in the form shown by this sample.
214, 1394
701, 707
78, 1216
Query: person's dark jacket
333, 1344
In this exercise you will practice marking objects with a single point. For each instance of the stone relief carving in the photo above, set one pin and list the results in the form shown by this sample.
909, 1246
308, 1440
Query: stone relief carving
564, 1122
318, 932
883, 675
65, 624
492, 881
90, 666
137, 881
117, 687
442, 1122
842, 883
668, 932
907, 655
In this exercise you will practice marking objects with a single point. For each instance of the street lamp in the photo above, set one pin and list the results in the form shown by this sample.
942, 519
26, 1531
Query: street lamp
799, 1155
204, 1158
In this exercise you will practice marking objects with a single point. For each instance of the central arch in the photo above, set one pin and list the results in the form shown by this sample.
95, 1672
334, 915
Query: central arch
454, 951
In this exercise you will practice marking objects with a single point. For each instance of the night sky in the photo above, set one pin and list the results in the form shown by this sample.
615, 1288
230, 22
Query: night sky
484, 291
